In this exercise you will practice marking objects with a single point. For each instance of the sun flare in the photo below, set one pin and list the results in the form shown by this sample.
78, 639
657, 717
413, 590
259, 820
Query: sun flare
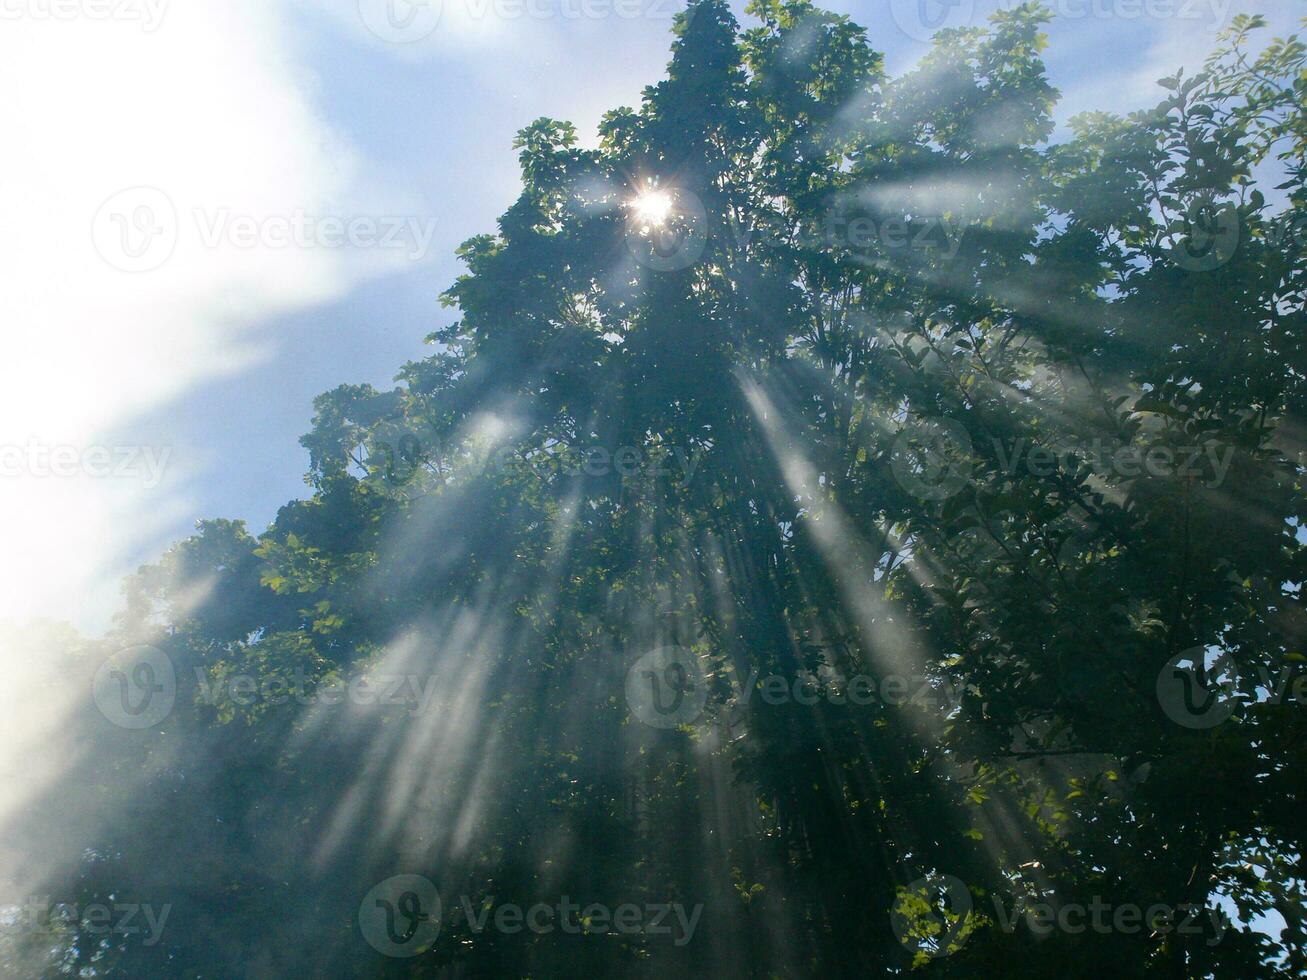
652, 207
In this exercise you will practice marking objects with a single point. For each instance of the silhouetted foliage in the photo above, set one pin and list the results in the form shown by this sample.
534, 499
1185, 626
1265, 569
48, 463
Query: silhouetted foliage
803, 372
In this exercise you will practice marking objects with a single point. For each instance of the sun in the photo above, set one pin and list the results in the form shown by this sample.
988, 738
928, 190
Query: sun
652, 207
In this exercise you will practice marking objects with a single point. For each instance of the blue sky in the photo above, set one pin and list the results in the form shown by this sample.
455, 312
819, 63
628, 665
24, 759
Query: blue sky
201, 115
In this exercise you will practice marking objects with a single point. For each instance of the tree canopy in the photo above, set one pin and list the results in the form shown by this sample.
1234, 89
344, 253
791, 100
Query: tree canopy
837, 506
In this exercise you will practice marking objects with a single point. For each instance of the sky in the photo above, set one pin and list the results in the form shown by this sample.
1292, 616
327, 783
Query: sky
216, 210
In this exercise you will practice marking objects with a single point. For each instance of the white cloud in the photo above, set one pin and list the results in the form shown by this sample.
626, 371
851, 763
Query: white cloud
210, 116
531, 29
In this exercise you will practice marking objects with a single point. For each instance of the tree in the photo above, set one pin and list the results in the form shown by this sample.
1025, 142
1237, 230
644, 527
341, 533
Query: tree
828, 486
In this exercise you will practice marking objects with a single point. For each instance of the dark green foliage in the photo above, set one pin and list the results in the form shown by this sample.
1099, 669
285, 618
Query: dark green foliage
1036, 300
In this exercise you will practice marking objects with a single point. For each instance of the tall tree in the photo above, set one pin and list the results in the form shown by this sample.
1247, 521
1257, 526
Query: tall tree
827, 486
